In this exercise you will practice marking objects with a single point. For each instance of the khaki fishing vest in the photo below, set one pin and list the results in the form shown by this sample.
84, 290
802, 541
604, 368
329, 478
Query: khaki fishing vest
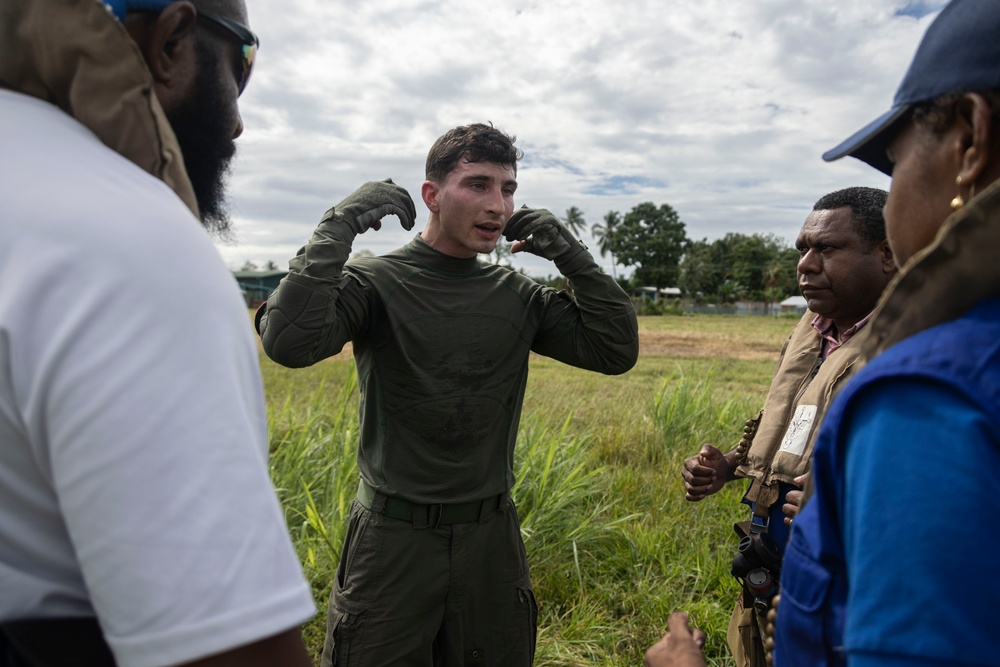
800, 394
76, 55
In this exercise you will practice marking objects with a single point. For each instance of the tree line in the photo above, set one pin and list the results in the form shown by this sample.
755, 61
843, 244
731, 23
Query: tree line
653, 240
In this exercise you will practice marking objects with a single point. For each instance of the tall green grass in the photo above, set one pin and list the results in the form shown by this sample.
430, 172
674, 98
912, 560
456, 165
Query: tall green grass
613, 545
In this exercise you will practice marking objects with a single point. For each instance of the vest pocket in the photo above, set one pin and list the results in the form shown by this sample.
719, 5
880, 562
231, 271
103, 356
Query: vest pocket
811, 611
805, 584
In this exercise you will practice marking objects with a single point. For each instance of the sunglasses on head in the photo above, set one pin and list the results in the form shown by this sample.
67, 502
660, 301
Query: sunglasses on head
248, 41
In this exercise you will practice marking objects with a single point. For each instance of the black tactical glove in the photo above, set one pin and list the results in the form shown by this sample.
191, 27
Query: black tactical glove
545, 236
364, 208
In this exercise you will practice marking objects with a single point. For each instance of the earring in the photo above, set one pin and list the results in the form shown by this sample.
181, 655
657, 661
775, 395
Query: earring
957, 203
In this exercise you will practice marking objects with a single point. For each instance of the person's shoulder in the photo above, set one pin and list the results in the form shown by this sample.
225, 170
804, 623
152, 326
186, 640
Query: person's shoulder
375, 264
962, 353
89, 217
509, 274
972, 338
66, 188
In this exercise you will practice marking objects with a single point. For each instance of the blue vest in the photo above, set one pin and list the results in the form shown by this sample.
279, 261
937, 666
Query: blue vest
812, 611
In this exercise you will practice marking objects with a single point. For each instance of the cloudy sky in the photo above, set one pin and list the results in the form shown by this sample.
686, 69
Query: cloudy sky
720, 108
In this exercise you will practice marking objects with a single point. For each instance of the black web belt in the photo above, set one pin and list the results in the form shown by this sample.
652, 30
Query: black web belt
429, 516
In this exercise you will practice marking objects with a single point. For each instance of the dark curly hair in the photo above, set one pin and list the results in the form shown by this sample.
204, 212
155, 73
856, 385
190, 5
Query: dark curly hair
471, 143
866, 206
937, 114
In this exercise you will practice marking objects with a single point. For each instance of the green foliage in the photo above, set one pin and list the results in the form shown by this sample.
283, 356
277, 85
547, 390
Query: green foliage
605, 234
646, 306
501, 254
313, 454
652, 239
613, 545
758, 267
574, 220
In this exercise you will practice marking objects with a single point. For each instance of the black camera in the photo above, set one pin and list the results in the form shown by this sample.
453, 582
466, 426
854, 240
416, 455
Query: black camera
756, 550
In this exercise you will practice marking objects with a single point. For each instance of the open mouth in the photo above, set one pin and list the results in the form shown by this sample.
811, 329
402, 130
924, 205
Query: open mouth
488, 228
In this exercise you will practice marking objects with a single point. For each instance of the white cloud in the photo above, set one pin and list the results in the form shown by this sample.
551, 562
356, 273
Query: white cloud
720, 108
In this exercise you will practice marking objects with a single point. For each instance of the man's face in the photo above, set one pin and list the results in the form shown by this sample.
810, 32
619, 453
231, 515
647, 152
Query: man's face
839, 275
921, 190
469, 208
208, 121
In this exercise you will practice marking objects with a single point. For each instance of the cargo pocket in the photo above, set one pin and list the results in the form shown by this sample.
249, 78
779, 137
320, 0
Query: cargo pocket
356, 527
345, 621
528, 598
345, 626
744, 638
527, 608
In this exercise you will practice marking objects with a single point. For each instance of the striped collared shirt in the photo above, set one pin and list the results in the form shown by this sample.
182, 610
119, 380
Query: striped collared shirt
826, 329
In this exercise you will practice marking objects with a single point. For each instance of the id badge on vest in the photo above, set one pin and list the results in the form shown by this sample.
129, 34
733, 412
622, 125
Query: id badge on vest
797, 435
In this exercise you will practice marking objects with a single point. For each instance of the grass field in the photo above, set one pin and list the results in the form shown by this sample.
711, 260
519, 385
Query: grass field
613, 545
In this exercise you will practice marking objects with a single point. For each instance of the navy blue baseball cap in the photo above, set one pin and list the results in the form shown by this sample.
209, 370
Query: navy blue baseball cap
119, 7
959, 52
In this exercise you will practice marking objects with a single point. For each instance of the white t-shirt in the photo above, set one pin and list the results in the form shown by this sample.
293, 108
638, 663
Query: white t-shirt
133, 437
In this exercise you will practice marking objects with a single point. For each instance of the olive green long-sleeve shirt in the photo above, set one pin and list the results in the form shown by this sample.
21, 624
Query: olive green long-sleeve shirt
441, 346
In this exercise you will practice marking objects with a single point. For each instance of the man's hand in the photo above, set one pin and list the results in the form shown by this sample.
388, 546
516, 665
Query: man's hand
681, 647
537, 231
793, 500
364, 208
705, 473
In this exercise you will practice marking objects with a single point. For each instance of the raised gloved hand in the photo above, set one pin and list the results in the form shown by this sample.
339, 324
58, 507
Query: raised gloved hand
364, 208
539, 232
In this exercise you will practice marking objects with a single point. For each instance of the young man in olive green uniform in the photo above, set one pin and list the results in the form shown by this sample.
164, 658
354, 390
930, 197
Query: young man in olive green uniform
433, 570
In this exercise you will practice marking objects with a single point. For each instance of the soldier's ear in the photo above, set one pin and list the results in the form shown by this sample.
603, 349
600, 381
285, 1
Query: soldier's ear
429, 191
167, 43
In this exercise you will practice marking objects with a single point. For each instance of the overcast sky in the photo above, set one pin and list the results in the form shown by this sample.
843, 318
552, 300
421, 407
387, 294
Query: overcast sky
720, 108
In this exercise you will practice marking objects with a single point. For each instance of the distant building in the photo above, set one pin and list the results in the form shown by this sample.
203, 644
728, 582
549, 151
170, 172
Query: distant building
258, 285
656, 294
793, 304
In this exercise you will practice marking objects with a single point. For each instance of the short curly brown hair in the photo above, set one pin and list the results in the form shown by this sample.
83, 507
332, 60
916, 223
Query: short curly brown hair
472, 143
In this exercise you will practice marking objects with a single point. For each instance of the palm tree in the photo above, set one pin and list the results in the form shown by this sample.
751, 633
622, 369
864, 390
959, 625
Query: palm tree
605, 234
574, 220
501, 255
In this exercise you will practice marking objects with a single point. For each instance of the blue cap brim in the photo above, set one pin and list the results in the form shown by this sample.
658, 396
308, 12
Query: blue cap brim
869, 144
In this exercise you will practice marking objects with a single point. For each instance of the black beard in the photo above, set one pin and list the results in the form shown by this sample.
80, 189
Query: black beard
204, 132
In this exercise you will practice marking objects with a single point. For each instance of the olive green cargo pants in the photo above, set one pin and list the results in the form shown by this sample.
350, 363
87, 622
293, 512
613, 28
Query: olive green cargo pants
446, 596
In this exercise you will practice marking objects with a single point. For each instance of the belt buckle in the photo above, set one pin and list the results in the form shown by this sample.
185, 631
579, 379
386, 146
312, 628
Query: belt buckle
428, 515
435, 511
759, 524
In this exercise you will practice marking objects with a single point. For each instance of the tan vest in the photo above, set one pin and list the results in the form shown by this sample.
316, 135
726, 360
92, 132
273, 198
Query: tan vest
800, 394
76, 55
